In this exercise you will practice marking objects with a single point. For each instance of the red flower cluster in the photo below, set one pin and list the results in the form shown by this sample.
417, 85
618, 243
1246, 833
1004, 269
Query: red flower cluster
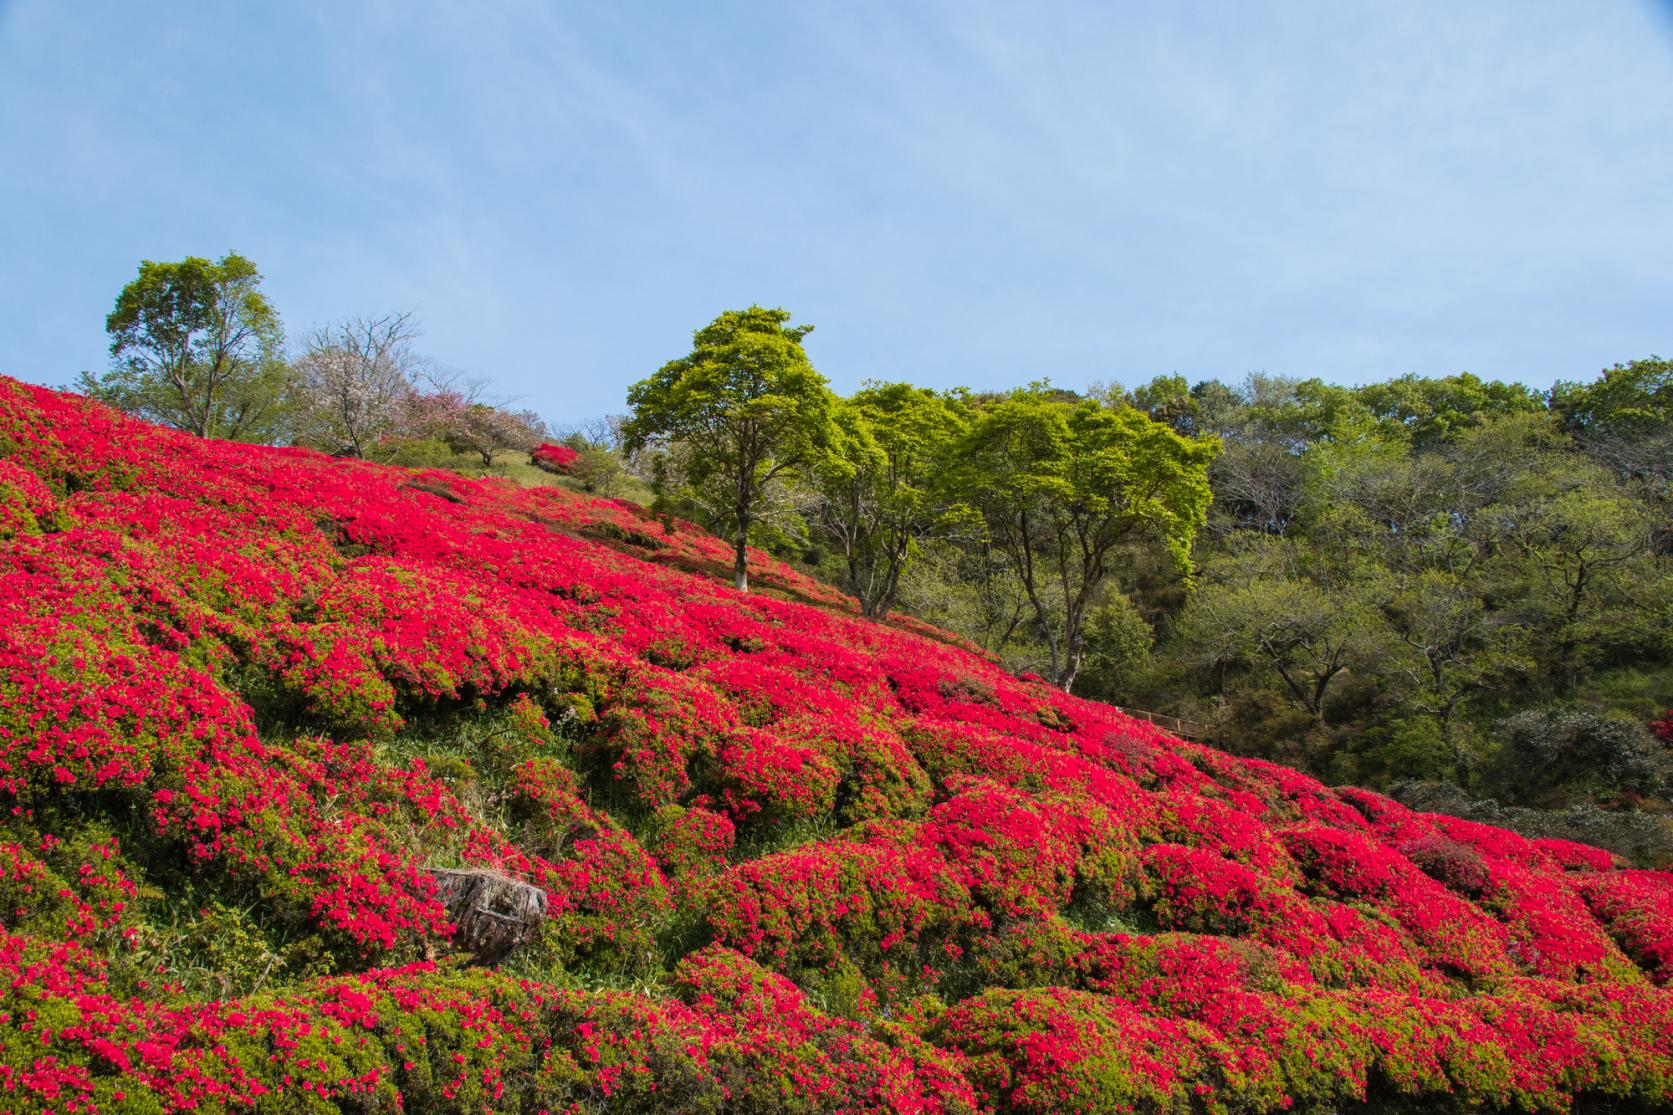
554, 458
251, 698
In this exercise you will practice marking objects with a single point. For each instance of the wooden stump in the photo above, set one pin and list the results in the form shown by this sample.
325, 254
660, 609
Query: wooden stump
494, 915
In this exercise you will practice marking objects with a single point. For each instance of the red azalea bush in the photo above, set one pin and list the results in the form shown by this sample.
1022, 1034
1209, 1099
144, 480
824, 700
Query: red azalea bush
1663, 727
251, 699
554, 458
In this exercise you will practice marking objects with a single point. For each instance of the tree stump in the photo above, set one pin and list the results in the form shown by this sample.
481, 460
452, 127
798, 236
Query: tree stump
494, 915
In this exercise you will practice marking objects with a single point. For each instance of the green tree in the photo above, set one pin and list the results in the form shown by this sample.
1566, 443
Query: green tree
1118, 645
881, 490
1261, 611
748, 408
1431, 411
1576, 552
197, 346
602, 468
1624, 417
1554, 756
1061, 485
1168, 399
1264, 426
1452, 647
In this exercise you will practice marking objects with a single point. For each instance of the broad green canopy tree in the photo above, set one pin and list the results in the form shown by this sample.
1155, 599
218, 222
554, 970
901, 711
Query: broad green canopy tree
1579, 551
197, 346
1061, 484
747, 407
1624, 418
882, 491
1430, 411
1263, 613
1168, 399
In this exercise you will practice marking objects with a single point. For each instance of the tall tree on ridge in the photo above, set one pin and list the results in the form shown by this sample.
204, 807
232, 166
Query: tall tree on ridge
748, 408
196, 345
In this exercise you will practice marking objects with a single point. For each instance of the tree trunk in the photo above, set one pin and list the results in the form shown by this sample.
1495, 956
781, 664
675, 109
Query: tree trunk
1567, 644
1449, 737
1074, 621
1042, 618
743, 494
891, 587
1073, 651
740, 569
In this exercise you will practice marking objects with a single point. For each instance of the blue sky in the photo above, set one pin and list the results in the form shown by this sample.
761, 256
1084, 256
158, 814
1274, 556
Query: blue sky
954, 193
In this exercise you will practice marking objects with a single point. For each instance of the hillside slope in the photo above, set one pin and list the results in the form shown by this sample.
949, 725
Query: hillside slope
792, 860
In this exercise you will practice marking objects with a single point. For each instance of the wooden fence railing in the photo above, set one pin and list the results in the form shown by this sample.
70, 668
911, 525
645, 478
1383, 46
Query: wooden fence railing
1184, 729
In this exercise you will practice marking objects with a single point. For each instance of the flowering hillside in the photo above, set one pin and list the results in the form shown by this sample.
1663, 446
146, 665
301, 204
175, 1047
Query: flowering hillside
253, 700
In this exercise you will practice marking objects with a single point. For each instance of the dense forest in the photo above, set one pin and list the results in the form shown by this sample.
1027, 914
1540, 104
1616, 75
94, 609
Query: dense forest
1450, 588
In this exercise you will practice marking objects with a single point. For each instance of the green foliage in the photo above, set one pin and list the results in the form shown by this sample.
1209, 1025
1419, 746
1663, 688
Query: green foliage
1268, 611
1431, 411
1625, 417
1449, 557
1416, 747
427, 453
197, 346
1061, 485
217, 950
1387, 571
742, 410
601, 469
1168, 400
1557, 756
882, 487
1118, 645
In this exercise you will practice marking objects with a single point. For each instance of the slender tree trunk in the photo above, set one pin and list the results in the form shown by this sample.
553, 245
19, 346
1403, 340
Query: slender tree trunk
1042, 617
1315, 706
740, 568
1074, 650
1449, 736
1567, 643
1075, 623
891, 585
859, 583
212, 388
